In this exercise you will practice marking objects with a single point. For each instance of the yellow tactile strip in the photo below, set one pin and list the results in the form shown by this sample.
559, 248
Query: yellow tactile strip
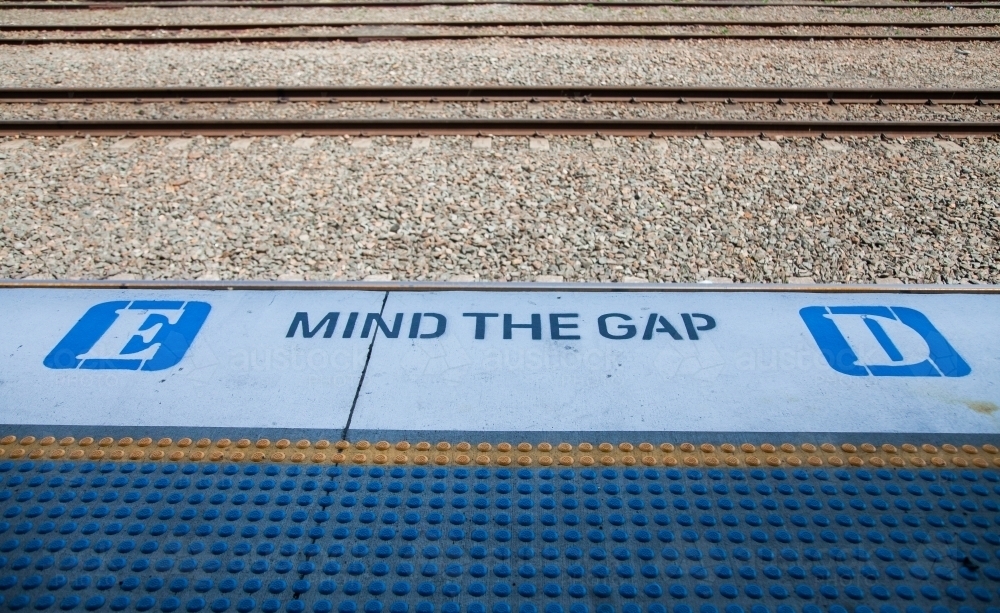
502, 454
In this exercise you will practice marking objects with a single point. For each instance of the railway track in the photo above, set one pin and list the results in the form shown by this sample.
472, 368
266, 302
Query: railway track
507, 126
777, 95
374, 36
141, 27
497, 127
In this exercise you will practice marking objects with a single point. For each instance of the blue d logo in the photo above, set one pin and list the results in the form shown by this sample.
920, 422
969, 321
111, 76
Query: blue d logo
882, 342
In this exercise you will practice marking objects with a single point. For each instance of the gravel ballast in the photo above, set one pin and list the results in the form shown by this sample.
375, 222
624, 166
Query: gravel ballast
507, 209
431, 32
511, 62
505, 110
486, 12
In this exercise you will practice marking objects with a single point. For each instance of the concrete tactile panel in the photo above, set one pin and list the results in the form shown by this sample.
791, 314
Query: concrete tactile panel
359, 526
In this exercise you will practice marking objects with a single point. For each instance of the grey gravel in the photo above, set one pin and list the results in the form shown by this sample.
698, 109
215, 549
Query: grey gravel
597, 209
485, 12
510, 61
542, 110
655, 209
400, 30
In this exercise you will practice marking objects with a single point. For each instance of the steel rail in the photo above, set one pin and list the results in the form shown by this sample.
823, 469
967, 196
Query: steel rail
118, 4
374, 36
778, 95
499, 286
497, 127
123, 27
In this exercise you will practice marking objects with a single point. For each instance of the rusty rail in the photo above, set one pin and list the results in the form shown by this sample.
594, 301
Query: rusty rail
583, 94
172, 27
497, 127
368, 37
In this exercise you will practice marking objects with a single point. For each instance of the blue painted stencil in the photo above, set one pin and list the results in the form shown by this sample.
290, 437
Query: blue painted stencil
943, 360
171, 340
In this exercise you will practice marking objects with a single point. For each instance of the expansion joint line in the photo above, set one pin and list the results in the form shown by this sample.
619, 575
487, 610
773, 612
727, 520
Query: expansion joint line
364, 370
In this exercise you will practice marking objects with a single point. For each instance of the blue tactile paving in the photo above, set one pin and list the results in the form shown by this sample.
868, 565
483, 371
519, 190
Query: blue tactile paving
201, 537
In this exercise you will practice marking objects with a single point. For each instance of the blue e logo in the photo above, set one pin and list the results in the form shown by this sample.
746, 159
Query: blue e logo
130, 335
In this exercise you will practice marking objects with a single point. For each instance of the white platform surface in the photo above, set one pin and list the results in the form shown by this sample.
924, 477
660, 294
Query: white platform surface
758, 370
239, 371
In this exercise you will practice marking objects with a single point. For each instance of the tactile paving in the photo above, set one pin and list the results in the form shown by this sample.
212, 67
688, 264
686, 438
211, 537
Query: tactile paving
502, 454
190, 536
